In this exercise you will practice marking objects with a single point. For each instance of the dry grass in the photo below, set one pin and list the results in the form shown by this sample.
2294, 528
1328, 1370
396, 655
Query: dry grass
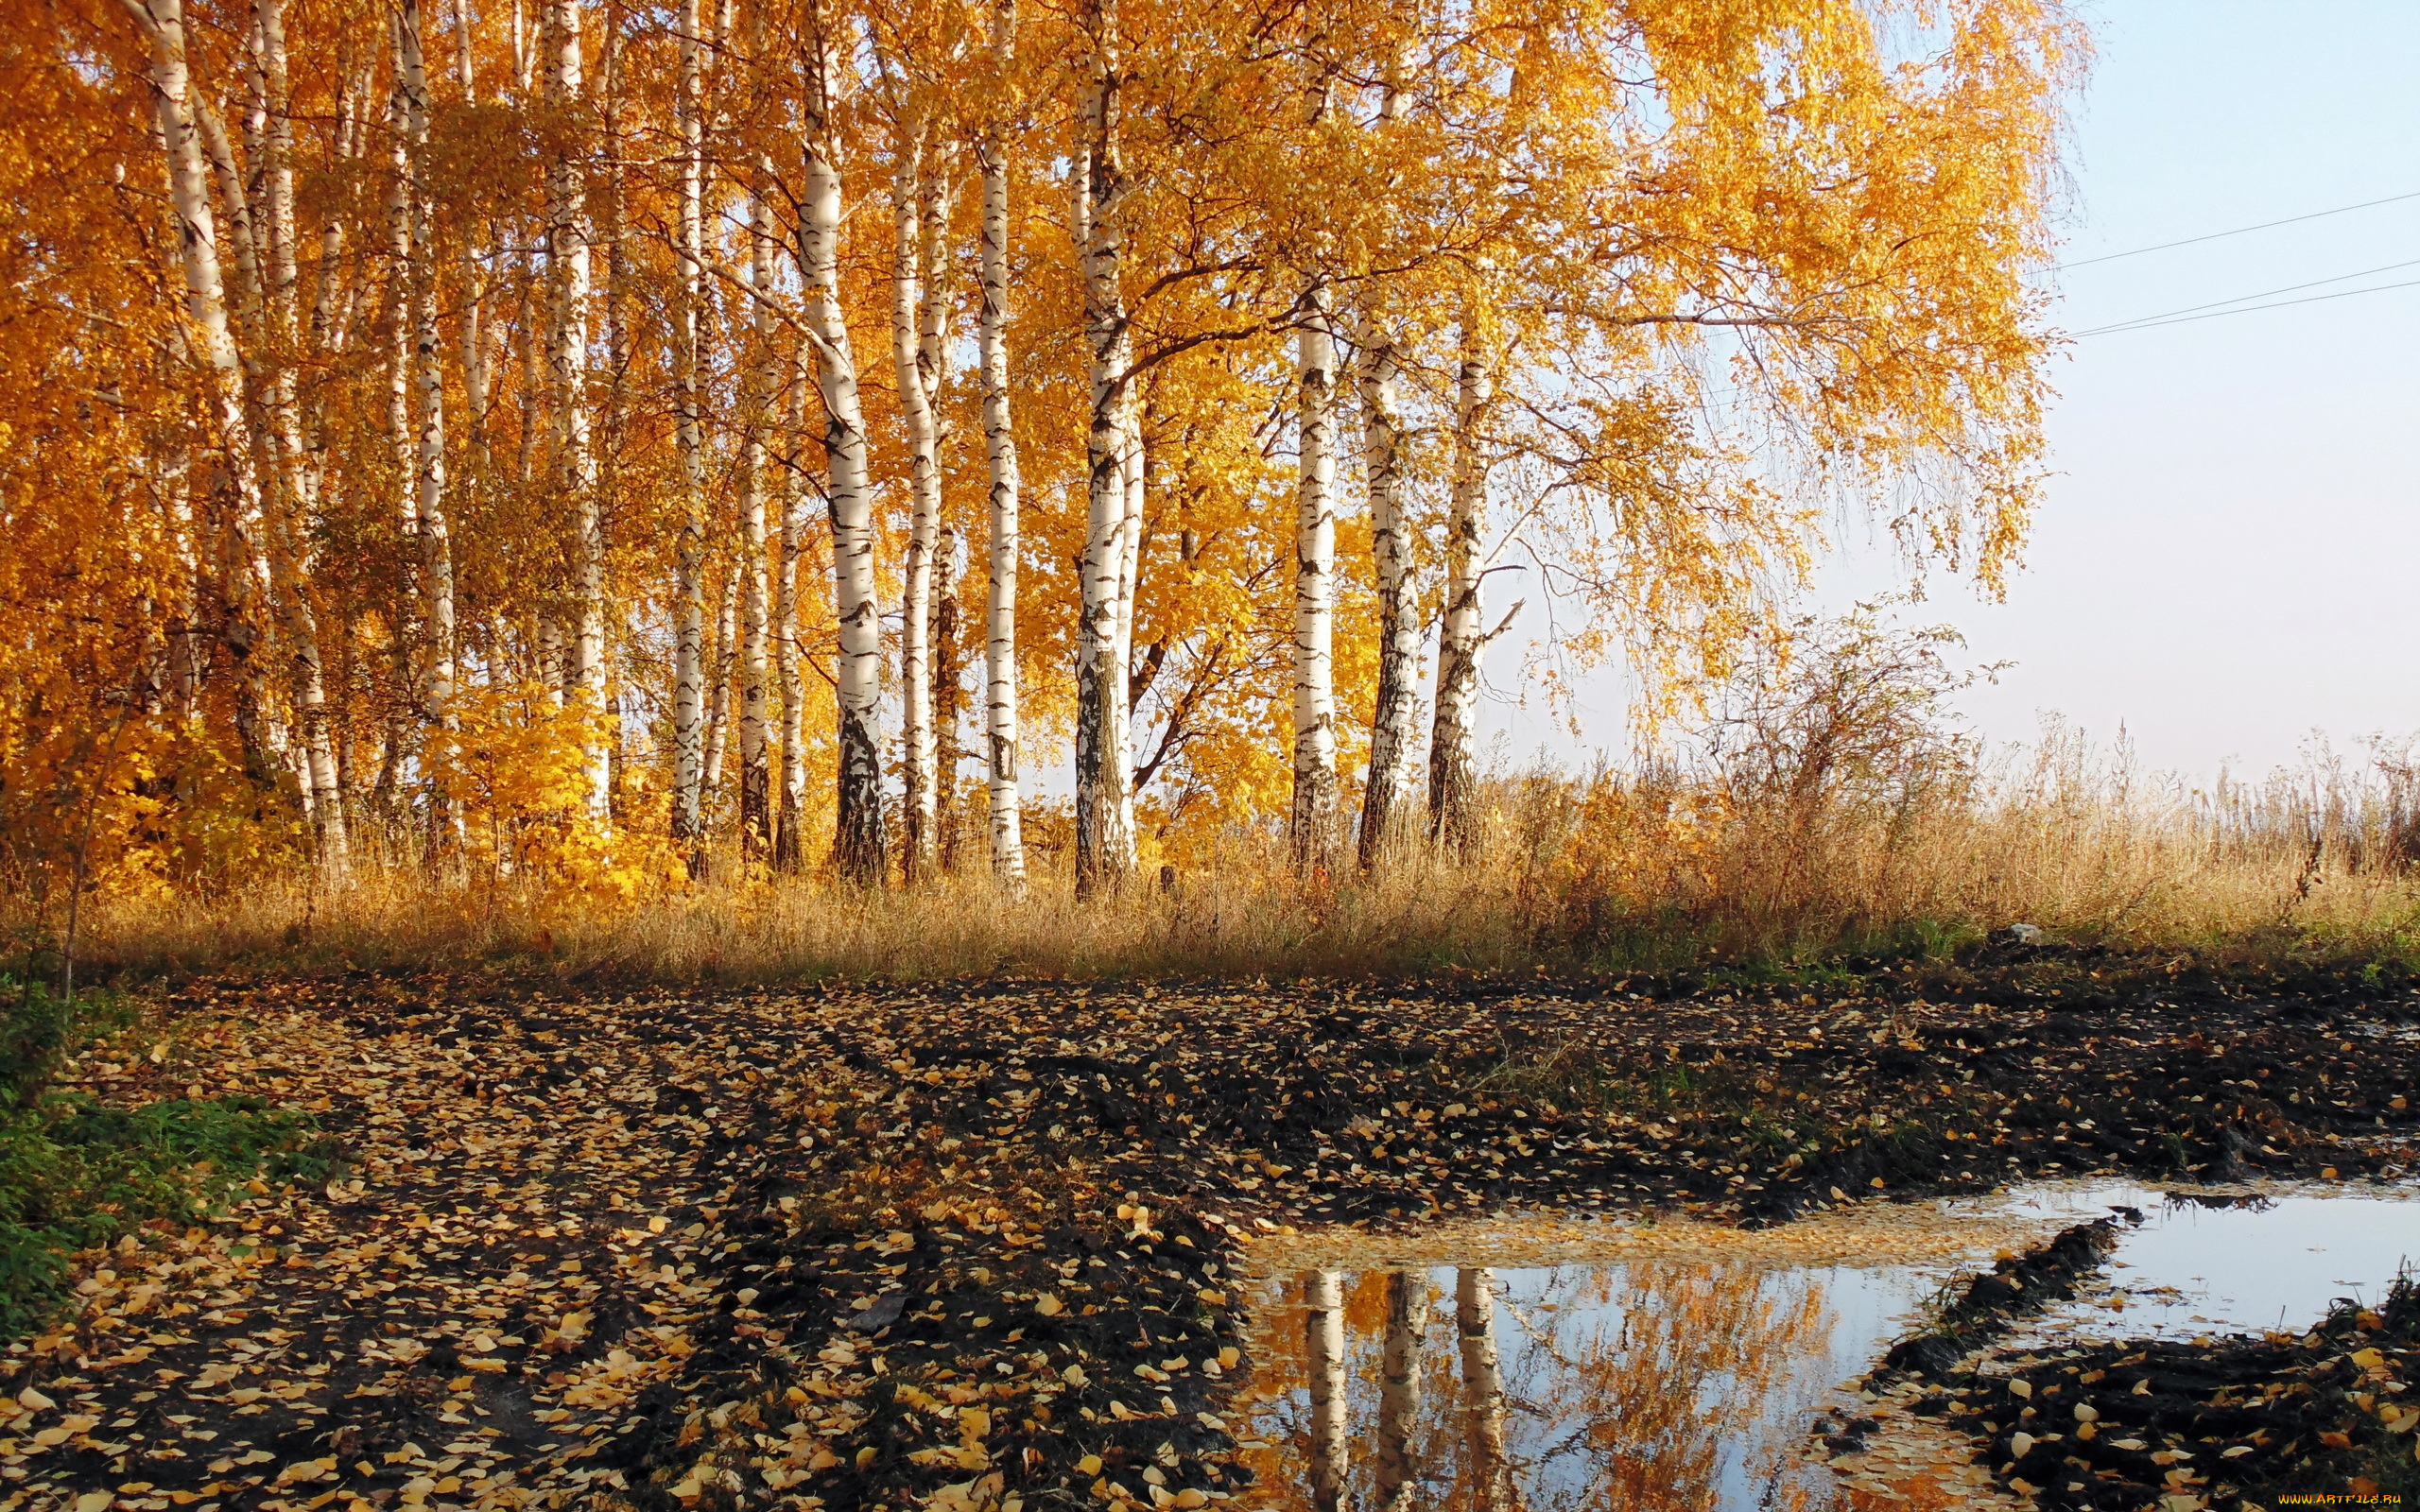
1828, 809
1670, 869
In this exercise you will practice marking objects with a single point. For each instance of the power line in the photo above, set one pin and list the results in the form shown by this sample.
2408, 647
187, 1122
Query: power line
2316, 214
2315, 299
2164, 315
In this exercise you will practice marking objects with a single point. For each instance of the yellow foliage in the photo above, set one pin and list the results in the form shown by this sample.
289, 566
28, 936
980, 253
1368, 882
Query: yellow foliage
511, 778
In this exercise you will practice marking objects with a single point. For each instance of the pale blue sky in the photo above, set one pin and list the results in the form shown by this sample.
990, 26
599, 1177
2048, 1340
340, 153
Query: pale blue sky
2226, 558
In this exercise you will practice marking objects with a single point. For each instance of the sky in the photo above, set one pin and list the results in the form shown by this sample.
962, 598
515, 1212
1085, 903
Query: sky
2227, 559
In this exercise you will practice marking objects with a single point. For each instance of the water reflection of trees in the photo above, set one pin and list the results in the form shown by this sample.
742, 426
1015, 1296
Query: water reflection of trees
1650, 1386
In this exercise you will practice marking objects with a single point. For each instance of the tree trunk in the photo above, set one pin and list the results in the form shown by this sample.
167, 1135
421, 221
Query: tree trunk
788, 848
1323, 1335
689, 594
949, 694
567, 349
909, 191
241, 496
722, 660
859, 847
1399, 1393
1453, 754
435, 543
1314, 818
755, 773
475, 356
1130, 552
1392, 734
1482, 1391
1104, 834
1000, 464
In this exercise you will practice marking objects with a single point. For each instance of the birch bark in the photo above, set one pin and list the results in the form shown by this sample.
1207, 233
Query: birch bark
261, 215
689, 596
567, 352
474, 358
788, 848
909, 191
1324, 1331
1104, 834
1314, 817
435, 543
722, 657
1392, 734
1399, 1393
756, 774
858, 845
234, 501
949, 691
1453, 760
185, 122
1000, 465
1482, 1390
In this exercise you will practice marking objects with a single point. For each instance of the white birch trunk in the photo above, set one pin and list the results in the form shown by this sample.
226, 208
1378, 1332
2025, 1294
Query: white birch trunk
907, 190
266, 279
475, 359
689, 594
1130, 552
568, 330
187, 127
1392, 733
1323, 1336
788, 846
755, 773
399, 429
723, 658
1104, 835
161, 23
1453, 748
435, 546
858, 843
1482, 1391
1314, 817
1399, 1393
1000, 464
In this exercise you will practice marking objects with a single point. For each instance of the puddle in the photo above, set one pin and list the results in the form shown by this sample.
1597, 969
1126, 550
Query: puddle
1551, 1366
2244, 1260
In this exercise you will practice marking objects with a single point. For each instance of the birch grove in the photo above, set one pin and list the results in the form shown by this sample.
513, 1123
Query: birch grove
494, 466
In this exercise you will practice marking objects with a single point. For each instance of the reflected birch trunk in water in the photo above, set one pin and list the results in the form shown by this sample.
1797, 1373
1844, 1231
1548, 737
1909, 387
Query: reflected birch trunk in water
1399, 1392
1482, 1390
1323, 1324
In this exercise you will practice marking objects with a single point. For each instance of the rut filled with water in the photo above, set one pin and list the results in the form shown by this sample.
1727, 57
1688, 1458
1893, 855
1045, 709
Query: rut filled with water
1688, 1366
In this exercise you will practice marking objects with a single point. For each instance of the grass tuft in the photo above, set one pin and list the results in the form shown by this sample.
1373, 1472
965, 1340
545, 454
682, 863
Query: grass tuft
75, 1173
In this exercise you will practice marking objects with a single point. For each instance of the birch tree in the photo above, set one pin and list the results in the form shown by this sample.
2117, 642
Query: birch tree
436, 543
915, 200
788, 845
689, 592
567, 360
1453, 746
755, 773
1314, 817
1394, 748
1002, 480
1482, 1391
859, 847
1324, 1331
1398, 1480
1104, 829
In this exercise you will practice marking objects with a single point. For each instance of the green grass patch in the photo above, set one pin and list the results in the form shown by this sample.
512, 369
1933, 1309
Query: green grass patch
76, 1172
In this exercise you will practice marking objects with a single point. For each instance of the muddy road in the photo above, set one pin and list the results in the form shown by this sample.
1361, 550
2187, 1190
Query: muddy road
867, 1245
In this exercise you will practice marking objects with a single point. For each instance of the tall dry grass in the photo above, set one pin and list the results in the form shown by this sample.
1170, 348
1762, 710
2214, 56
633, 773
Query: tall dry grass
1826, 809
1666, 869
